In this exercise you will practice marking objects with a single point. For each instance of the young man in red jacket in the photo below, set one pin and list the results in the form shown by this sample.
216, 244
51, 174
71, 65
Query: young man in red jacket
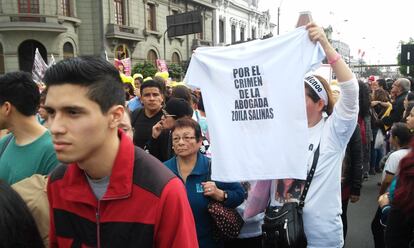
109, 193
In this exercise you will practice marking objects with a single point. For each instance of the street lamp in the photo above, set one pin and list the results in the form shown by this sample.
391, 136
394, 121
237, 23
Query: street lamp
278, 16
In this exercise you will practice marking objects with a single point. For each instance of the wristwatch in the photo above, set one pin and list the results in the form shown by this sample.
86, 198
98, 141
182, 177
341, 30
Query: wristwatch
225, 195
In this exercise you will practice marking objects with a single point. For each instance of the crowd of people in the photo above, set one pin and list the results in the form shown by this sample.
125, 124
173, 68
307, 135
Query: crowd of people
97, 160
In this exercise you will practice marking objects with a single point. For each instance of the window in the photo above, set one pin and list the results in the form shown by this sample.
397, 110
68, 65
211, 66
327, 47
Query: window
121, 51
233, 33
29, 6
152, 57
119, 12
65, 7
175, 59
151, 17
242, 34
221, 31
68, 51
253, 33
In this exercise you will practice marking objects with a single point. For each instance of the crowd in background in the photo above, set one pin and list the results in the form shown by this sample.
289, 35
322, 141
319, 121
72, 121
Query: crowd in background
168, 121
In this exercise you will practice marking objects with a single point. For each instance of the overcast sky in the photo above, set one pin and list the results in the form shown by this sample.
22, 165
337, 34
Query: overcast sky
373, 26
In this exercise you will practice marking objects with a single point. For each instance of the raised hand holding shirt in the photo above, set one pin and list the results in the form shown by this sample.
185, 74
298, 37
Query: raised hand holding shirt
255, 102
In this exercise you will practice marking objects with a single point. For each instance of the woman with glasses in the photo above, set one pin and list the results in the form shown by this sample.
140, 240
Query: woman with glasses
193, 169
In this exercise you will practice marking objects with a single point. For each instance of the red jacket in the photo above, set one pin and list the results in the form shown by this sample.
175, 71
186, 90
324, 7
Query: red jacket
145, 205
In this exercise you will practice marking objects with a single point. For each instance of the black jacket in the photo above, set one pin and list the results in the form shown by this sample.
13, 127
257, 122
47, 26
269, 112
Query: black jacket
352, 163
397, 111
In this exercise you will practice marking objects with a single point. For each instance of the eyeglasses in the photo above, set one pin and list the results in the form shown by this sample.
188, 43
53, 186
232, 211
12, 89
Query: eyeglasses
186, 139
166, 114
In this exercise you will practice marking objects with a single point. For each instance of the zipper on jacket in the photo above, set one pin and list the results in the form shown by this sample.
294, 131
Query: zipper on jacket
287, 231
98, 229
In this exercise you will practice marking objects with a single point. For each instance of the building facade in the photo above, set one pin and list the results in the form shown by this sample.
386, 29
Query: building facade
238, 21
119, 28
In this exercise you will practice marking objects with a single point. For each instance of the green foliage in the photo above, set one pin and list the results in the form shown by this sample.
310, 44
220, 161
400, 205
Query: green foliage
176, 72
147, 69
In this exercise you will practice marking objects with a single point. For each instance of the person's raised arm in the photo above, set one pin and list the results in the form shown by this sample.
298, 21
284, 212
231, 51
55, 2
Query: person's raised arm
339, 67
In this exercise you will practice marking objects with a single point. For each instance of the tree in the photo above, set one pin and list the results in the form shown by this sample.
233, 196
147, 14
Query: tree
175, 71
403, 68
147, 69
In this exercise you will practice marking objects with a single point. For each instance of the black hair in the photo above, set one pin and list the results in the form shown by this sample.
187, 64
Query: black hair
364, 99
410, 96
407, 111
100, 77
200, 104
402, 132
188, 122
21, 91
381, 83
182, 92
154, 84
17, 225
129, 93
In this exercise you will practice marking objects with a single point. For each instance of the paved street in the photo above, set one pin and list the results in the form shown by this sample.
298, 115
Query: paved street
361, 214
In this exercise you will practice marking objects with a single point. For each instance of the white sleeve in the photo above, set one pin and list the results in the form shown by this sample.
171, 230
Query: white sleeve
391, 165
345, 114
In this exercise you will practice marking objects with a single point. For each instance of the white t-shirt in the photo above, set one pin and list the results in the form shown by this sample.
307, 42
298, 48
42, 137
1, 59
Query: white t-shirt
393, 161
255, 102
322, 211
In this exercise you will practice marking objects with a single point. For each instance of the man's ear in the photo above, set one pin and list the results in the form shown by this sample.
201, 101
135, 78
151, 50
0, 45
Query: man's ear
6, 107
115, 115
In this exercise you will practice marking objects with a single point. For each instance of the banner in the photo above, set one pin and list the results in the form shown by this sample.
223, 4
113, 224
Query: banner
39, 67
161, 65
123, 65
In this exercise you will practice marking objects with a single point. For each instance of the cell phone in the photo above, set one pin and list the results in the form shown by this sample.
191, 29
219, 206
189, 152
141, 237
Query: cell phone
305, 17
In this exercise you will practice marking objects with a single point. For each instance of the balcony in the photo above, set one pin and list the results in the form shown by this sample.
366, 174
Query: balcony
30, 22
117, 34
115, 31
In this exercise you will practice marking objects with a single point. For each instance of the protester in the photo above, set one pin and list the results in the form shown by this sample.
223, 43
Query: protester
41, 112
399, 140
109, 193
398, 205
160, 145
143, 119
351, 175
125, 125
28, 149
364, 122
193, 169
382, 107
322, 209
135, 102
399, 91
17, 227
33, 192
410, 121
